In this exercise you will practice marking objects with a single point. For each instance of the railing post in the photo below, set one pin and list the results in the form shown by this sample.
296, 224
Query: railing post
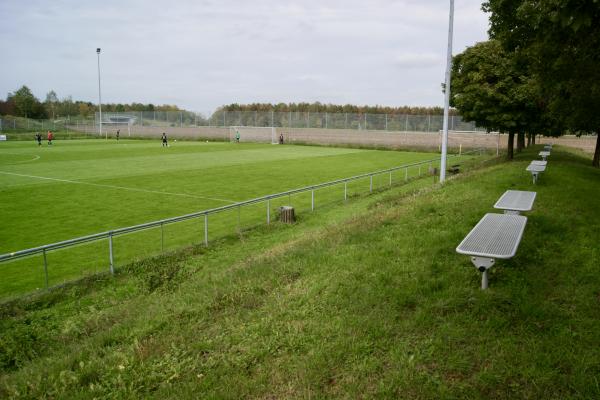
268, 211
390, 178
110, 252
406, 174
312, 200
239, 218
206, 229
371, 184
345, 191
162, 238
46, 268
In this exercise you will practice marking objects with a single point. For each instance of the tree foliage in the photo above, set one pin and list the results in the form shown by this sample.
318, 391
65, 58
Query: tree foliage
318, 107
559, 41
490, 89
23, 103
26, 104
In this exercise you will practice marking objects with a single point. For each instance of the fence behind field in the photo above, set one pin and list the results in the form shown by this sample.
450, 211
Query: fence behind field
153, 237
320, 120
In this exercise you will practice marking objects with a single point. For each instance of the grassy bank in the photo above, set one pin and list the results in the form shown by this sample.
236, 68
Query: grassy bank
362, 301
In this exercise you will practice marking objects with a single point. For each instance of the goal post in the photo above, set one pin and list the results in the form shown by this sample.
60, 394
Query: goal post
256, 134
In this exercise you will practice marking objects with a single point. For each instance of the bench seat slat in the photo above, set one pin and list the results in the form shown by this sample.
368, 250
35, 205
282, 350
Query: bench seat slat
495, 236
517, 200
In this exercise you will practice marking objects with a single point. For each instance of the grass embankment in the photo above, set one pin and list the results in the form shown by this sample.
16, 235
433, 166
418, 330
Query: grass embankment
368, 300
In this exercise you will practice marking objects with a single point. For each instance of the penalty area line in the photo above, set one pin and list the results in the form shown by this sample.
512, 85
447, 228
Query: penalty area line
119, 187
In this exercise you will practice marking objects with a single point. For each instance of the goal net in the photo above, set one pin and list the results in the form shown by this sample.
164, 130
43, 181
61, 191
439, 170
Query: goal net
253, 134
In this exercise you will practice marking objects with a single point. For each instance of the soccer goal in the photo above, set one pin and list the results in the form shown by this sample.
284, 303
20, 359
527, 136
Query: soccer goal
253, 134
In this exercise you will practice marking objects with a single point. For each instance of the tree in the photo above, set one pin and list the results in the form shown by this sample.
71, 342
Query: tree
84, 109
26, 104
559, 40
7, 107
51, 100
489, 89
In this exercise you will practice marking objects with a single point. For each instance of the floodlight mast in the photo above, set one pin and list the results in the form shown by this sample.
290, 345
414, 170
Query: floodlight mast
100, 94
447, 95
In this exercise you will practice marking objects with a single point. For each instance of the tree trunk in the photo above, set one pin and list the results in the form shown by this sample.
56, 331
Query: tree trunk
533, 139
596, 162
520, 141
287, 215
528, 139
509, 149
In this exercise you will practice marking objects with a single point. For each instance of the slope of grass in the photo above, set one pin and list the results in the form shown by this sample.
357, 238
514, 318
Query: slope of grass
363, 301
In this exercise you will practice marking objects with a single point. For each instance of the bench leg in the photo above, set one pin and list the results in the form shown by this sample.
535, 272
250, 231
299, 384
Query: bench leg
483, 264
484, 280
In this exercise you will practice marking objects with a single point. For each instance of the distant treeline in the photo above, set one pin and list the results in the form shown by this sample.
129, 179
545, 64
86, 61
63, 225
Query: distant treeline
334, 108
22, 103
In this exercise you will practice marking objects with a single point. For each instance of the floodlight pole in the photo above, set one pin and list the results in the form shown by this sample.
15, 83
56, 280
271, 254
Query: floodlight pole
447, 95
100, 94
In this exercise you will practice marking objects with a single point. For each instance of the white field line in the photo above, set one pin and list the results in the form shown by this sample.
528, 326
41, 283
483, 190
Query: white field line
35, 158
119, 187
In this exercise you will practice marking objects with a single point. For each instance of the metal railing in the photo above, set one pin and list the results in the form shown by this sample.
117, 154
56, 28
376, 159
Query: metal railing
111, 234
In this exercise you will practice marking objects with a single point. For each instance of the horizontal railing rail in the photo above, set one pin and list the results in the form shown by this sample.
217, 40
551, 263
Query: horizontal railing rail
205, 213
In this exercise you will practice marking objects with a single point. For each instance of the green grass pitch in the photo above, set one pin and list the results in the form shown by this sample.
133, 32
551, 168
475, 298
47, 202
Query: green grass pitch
80, 187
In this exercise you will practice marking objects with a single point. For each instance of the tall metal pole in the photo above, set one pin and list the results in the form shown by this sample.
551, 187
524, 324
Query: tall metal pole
447, 95
100, 94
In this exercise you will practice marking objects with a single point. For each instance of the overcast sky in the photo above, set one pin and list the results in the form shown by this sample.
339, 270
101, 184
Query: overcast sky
203, 54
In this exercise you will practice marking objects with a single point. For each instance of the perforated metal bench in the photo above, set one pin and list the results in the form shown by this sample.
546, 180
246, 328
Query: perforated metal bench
515, 201
544, 154
495, 236
547, 147
538, 162
535, 170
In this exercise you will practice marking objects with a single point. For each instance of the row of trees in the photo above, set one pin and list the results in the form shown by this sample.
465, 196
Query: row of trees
538, 72
318, 107
22, 103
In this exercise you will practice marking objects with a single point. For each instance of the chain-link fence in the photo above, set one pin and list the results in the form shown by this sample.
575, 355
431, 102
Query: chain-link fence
165, 119
10, 124
391, 122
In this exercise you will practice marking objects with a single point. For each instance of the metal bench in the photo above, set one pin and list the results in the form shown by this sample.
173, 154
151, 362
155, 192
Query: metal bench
544, 154
547, 147
495, 236
515, 201
535, 170
539, 162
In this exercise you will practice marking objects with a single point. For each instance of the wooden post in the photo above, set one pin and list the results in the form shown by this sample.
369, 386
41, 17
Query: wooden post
287, 214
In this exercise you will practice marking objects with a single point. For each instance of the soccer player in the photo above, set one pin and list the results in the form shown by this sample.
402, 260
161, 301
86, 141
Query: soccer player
237, 136
164, 140
38, 137
118, 131
50, 137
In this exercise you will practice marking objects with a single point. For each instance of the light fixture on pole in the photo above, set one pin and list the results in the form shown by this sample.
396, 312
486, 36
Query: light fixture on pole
100, 94
447, 95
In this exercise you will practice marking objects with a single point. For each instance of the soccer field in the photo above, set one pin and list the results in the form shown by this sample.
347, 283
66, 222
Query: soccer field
76, 188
